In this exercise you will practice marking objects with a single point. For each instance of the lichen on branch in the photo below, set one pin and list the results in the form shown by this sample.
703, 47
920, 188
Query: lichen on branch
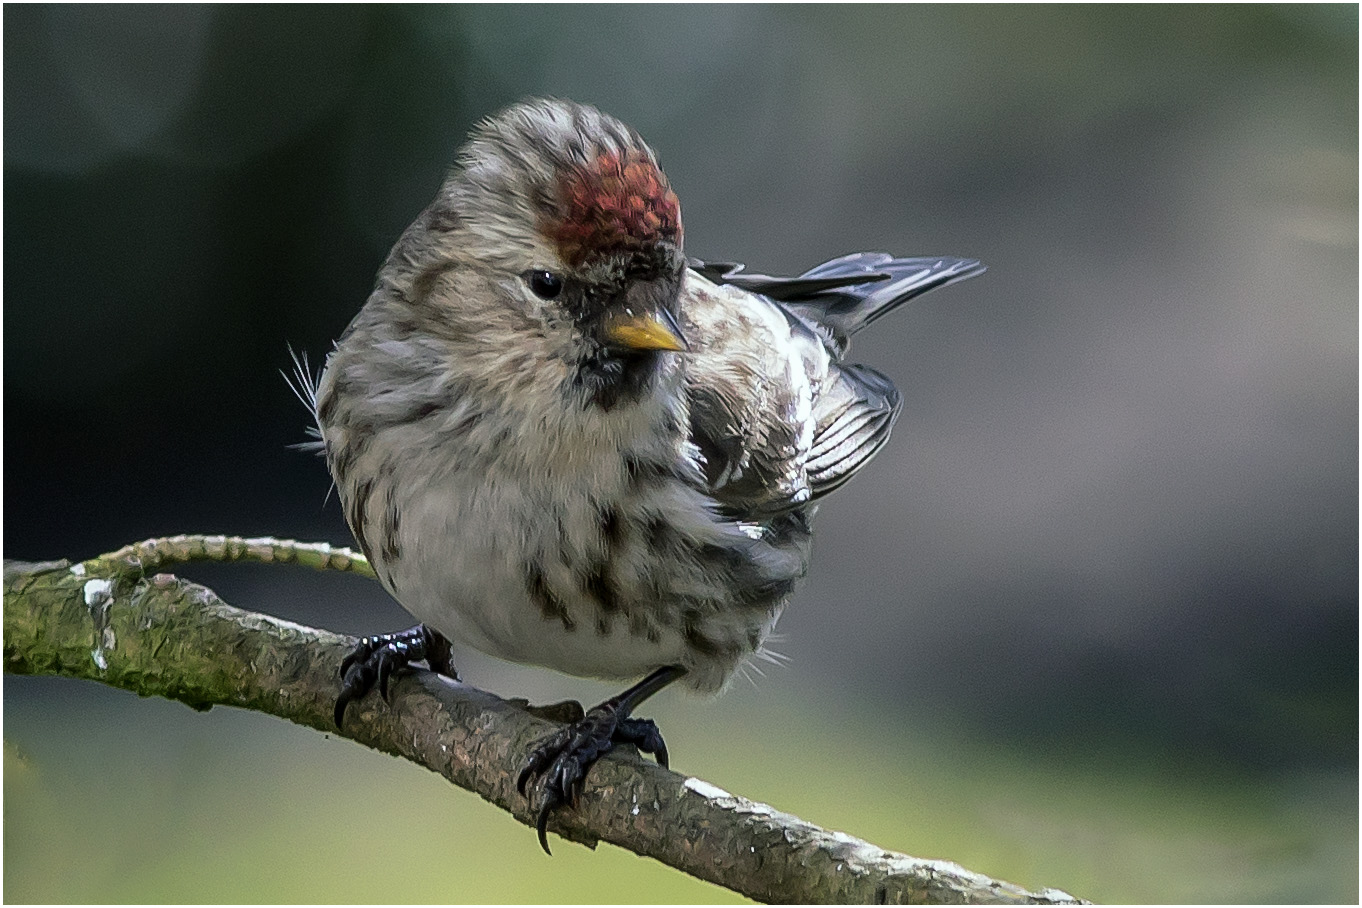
115, 620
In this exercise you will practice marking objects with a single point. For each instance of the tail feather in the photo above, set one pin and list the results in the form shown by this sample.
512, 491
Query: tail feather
846, 294
882, 283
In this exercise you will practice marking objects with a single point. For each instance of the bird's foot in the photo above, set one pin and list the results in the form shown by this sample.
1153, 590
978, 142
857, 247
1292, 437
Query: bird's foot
375, 659
563, 758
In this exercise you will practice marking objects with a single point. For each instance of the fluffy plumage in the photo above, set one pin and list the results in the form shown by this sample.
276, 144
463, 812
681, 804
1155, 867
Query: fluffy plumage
561, 443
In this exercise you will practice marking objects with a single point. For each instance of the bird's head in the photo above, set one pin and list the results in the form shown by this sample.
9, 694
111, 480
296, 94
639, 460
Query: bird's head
567, 213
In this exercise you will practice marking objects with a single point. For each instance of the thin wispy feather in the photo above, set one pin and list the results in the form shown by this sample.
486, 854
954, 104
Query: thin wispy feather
302, 381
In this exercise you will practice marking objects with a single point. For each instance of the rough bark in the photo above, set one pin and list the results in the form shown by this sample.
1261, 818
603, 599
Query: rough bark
113, 619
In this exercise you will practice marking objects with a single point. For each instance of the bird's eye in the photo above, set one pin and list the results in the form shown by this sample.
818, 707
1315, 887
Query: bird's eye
545, 284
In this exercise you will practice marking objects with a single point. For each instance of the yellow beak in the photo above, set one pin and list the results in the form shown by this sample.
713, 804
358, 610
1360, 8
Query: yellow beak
646, 331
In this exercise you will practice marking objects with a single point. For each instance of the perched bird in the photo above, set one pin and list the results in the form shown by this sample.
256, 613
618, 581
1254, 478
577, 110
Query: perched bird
561, 442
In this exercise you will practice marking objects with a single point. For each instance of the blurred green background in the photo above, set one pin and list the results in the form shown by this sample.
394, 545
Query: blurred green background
1090, 621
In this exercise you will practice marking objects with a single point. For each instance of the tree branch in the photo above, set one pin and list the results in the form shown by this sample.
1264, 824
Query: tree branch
113, 619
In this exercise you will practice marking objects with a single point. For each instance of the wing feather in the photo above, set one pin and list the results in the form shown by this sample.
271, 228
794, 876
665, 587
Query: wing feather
753, 461
847, 293
854, 417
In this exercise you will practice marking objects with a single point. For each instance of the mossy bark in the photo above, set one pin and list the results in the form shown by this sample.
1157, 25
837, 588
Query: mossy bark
111, 620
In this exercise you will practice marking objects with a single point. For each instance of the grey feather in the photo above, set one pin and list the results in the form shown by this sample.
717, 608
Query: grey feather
856, 408
854, 416
847, 293
516, 515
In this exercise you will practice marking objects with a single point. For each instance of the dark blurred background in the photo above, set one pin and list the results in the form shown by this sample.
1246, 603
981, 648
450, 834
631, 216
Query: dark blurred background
1089, 621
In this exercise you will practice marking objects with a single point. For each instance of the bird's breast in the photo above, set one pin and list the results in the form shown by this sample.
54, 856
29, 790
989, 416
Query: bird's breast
640, 573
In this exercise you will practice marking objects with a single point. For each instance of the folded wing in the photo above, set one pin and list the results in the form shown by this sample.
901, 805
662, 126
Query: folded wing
753, 461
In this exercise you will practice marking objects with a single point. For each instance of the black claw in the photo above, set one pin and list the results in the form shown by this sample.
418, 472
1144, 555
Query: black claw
386, 661
439, 656
341, 702
377, 659
358, 678
541, 824
562, 760
643, 734
361, 652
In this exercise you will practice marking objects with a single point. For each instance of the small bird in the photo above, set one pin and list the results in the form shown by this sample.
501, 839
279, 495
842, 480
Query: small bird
561, 442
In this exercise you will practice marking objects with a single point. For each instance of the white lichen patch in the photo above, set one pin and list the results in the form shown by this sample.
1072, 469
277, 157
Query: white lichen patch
98, 598
98, 593
705, 789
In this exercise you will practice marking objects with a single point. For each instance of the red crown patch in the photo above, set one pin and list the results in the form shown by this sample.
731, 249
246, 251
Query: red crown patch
619, 203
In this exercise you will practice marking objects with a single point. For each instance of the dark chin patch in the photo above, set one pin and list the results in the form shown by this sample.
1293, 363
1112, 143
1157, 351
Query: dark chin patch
612, 377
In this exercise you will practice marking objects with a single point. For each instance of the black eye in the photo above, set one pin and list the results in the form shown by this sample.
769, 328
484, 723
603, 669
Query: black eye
545, 284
